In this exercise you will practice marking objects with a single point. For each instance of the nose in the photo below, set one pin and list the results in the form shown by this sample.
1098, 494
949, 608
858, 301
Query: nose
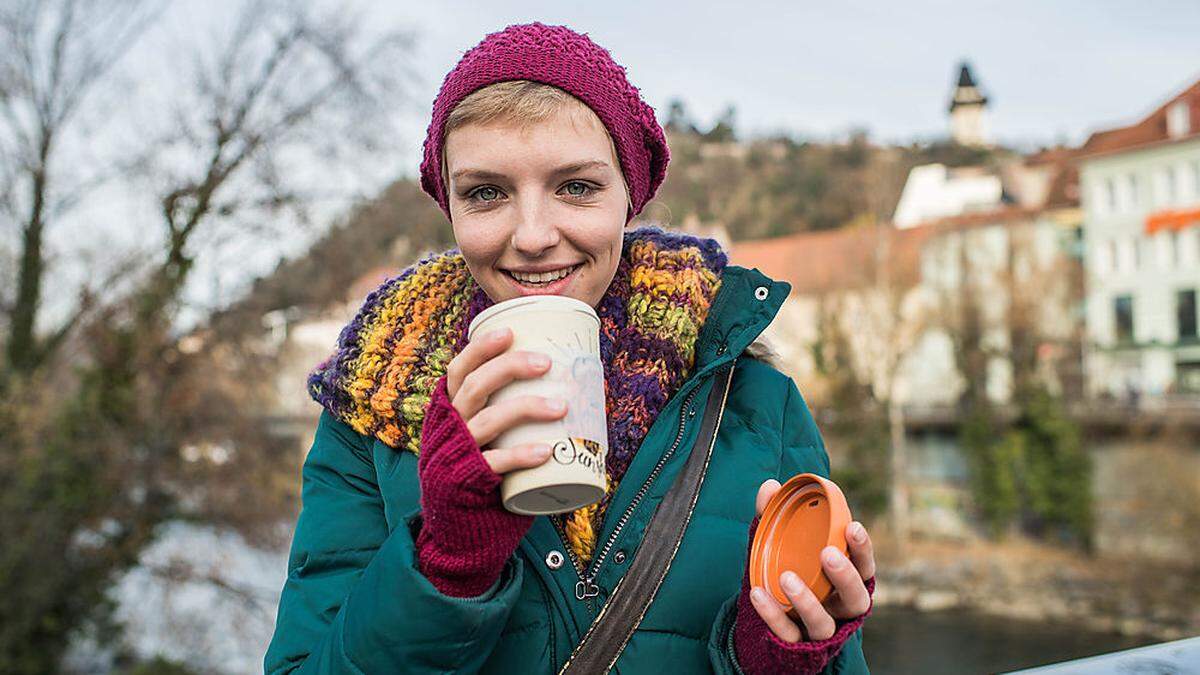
535, 232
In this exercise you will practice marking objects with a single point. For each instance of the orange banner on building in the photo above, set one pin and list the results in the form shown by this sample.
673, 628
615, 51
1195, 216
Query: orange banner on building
1172, 219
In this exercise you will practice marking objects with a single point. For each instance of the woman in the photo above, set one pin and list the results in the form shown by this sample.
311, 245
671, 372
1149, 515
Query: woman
540, 153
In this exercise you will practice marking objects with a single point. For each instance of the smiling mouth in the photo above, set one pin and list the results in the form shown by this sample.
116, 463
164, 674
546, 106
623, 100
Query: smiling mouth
541, 280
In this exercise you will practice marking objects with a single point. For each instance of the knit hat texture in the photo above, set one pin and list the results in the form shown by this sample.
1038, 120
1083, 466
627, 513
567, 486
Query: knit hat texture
558, 56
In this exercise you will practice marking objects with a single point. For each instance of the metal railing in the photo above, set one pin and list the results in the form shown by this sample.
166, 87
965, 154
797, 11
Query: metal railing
1178, 656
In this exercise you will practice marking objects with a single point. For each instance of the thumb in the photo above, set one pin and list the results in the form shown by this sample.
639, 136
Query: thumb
765, 492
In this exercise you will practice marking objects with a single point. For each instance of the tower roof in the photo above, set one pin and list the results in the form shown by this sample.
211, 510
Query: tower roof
966, 92
964, 76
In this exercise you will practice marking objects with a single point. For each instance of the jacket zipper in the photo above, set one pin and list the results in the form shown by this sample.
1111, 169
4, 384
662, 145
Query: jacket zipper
576, 564
586, 588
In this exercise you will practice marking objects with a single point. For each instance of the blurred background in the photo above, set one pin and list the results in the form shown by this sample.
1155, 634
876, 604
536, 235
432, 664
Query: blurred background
989, 214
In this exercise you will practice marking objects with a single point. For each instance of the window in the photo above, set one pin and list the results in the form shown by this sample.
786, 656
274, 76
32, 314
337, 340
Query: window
1164, 186
1187, 376
1077, 244
1131, 191
1185, 314
1187, 183
1123, 314
1104, 258
1166, 246
1123, 253
1110, 195
1096, 203
1124, 195
1179, 121
1187, 242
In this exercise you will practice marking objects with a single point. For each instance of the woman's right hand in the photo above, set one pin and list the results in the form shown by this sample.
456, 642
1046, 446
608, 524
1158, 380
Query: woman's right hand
466, 535
478, 371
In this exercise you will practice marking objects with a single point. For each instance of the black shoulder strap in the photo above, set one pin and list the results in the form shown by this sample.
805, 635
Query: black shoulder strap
623, 611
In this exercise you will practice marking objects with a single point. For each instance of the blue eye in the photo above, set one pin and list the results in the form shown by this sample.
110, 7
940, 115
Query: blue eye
488, 194
587, 189
479, 192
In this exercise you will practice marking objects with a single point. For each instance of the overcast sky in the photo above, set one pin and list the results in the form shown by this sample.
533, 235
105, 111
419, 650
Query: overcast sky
1054, 69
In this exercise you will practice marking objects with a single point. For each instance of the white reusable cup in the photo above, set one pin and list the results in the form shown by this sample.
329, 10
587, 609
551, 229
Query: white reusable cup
568, 331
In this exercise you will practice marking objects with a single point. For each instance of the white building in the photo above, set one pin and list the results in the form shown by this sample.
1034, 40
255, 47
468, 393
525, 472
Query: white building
934, 191
1140, 188
1015, 269
1044, 180
893, 306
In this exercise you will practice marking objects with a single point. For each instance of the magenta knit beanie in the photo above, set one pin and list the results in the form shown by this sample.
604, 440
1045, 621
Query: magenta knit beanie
558, 56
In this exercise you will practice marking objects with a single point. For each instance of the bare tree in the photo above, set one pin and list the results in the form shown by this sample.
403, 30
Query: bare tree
870, 328
94, 458
1043, 286
286, 87
898, 318
55, 55
1006, 305
959, 288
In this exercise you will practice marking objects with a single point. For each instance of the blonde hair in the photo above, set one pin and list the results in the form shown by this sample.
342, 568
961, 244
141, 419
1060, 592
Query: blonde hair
523, 103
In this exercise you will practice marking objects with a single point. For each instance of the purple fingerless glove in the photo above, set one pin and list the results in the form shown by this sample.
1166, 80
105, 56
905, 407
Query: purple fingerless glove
466, 533
760, 651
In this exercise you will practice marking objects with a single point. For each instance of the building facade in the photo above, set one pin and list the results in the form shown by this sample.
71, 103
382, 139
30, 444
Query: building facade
1140, 188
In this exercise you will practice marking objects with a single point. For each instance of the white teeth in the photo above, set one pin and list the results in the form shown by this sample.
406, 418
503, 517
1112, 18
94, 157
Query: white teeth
541, 277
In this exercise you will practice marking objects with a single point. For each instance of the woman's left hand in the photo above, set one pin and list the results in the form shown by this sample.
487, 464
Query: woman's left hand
849, 599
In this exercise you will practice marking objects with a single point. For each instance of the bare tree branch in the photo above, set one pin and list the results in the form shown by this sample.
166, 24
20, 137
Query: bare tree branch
61, 51
278, 83
180, 572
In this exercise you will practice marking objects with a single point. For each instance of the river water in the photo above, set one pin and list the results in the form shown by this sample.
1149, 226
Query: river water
902, 640
193, 622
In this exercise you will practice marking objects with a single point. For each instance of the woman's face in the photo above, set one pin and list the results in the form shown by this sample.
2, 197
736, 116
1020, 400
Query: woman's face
546, 201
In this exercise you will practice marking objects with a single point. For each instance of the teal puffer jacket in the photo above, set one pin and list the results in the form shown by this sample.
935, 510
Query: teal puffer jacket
355, 602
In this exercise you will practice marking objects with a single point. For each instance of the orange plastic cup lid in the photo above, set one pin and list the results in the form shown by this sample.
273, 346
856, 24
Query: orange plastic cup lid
806, 515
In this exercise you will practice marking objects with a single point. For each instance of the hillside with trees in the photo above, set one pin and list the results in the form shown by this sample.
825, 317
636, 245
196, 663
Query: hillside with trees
755, 188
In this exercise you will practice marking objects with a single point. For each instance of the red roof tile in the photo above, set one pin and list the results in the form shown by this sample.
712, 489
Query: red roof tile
1151, 129
842, 259
1007, 214
815, 262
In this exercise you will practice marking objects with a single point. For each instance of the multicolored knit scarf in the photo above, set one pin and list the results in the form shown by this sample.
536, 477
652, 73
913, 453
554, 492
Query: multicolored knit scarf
391, 355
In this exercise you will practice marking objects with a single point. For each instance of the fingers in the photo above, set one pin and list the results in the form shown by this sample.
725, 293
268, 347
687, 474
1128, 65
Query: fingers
851, 598
493, 374
521, 457
816, 621
774, 615
494, 420
862, 551
473, 355
765, 491
812, 614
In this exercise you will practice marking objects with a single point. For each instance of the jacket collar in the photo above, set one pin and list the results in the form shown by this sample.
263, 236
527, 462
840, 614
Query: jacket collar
745, 305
